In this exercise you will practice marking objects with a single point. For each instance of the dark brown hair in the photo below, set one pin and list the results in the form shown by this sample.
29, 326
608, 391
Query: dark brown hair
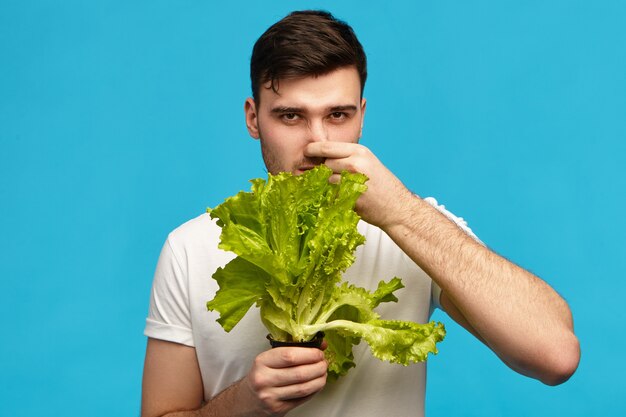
305, 43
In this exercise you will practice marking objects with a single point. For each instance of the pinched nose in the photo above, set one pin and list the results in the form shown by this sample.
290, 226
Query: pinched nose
318, 132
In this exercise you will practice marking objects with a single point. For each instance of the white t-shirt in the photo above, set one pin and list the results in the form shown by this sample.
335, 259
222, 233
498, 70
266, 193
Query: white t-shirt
183, 285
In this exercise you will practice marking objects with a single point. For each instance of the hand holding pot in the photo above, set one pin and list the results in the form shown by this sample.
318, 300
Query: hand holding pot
283, 378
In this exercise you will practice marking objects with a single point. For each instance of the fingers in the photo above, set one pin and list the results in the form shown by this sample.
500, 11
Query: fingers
304, 390
285, 377
334, 178
380, 203
334, 150
284, 357
288, 366
342, 156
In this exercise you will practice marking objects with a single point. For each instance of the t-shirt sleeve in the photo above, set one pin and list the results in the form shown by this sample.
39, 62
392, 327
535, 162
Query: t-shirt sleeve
462, 224
169, 317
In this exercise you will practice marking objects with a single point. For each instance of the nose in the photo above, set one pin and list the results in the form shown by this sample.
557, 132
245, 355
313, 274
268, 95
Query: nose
318, 131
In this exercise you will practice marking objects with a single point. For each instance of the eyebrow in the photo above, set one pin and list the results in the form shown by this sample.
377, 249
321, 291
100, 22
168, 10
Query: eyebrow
285, 109
346, 107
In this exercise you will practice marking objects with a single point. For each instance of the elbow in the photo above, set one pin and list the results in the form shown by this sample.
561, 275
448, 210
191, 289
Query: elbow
563, 362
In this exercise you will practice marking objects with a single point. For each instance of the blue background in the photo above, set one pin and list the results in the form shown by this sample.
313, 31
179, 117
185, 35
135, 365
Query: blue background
120, 120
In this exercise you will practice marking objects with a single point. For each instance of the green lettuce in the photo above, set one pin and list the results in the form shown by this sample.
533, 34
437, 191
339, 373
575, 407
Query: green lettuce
294, 236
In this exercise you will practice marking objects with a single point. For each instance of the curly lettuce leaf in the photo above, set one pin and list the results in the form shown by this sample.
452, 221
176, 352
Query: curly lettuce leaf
294, 236
241, 285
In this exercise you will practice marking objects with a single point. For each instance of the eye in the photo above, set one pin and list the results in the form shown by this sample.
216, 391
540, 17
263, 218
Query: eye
290, 117
338, 116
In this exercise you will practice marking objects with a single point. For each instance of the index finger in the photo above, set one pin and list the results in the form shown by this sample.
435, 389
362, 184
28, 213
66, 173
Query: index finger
333, 150
285, 357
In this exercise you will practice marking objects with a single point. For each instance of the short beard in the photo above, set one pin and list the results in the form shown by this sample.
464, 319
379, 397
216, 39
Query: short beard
272, 164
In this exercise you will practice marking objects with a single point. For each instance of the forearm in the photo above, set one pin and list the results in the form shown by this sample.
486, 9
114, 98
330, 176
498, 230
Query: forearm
232, 402
516, 314
280, 379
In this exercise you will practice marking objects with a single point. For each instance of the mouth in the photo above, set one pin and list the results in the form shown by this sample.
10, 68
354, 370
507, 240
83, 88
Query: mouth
301, 170
309, 163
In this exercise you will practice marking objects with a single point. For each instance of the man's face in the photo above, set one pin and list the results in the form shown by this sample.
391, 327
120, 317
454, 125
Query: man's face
305, 110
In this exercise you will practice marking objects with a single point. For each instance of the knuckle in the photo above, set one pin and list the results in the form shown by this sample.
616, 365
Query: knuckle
257, 381
258, 362
353, 166
288, 356
265, 397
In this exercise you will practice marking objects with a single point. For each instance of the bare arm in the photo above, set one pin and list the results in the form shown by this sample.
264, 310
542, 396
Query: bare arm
171, 379
520, 317
279, 380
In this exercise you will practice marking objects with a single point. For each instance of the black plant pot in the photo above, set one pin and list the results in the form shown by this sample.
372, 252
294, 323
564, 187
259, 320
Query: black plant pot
316, 342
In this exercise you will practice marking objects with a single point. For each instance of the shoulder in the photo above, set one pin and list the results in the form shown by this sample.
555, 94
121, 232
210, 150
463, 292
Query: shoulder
459, 221
377, 240
193, 249
195, 231
442, 209
198, 236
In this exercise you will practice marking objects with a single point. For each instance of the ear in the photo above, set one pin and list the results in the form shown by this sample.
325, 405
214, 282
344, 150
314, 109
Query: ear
252, 119
363, 106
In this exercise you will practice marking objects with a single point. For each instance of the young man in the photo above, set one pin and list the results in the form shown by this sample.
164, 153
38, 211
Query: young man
308, 73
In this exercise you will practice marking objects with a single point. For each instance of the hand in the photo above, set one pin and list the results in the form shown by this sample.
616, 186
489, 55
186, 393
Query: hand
285, 377
385, 197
